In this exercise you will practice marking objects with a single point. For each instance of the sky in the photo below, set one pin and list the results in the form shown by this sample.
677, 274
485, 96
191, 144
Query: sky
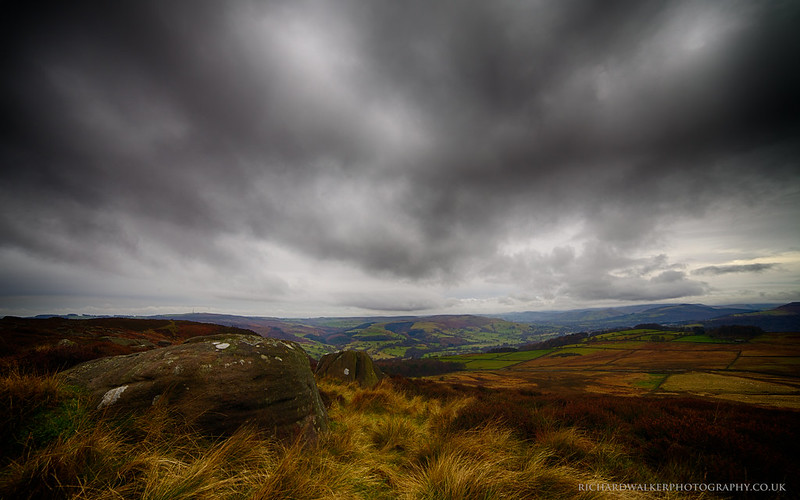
367, 157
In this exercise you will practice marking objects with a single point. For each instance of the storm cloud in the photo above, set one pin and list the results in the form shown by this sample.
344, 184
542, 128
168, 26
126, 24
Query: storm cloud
315, 156
746, 268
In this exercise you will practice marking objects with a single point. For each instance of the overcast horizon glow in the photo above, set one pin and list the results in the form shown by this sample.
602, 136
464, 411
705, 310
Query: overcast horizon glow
313, 158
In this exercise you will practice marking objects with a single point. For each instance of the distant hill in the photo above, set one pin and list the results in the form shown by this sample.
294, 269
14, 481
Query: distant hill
266, 326
682, 313
785, 318
600, 318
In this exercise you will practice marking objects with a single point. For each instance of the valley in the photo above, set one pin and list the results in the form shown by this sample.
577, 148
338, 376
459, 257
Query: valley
443, 335
388, 337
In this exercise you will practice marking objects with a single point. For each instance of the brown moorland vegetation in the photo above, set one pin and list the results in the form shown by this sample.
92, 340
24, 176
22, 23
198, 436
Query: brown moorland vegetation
681, 438
53, 344
405, 438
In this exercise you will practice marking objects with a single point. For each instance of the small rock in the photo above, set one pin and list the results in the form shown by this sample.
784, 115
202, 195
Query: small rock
350, 366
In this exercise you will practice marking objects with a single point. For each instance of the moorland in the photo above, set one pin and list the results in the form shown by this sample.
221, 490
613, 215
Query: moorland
647, 405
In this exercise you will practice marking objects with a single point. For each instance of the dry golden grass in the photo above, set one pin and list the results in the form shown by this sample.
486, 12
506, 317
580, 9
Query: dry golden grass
384, 444
18, 391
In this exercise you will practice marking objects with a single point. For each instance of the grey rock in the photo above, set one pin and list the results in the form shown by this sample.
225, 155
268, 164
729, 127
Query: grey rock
218, 383
350, 366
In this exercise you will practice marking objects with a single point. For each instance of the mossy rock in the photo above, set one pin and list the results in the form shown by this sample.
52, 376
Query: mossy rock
350, 366
218, 383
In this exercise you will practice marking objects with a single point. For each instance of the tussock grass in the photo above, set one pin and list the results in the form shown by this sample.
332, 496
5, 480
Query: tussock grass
21, 394
35, 410
385, 443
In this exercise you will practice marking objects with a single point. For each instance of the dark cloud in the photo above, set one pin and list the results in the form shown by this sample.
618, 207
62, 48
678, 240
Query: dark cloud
744, 268
662, 287
390, 300
406, 140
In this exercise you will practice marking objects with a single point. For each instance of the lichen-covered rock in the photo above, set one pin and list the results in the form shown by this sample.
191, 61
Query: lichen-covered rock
218, 383
350, 366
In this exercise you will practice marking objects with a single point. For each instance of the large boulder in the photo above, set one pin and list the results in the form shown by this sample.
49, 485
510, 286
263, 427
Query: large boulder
350, 366
218, 383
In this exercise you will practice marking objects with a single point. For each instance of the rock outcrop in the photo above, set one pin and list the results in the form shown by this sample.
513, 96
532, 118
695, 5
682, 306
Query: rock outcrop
218, 383
350, 366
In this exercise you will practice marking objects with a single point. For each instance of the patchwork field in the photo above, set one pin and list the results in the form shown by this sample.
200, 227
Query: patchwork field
762, 371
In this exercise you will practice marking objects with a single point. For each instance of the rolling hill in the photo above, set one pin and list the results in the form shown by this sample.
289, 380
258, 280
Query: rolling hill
387, 337
600, 318
785, 318
51, 343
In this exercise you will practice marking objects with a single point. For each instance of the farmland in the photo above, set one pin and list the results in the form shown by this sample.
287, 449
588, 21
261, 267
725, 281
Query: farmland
764, 370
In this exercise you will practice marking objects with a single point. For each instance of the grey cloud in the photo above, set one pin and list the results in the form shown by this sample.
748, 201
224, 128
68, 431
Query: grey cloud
603, 283
635, 289
390, 301
743, 268
406, 140
596, 272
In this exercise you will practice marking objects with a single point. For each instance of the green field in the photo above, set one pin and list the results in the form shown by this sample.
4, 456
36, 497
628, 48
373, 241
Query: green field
652, 381
495, 361
702, 339
524, 355
619, 344
490, 364
577, 350
640, 334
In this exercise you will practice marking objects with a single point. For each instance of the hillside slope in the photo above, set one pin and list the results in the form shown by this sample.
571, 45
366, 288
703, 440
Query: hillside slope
628, 316
785, 318
56, 343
